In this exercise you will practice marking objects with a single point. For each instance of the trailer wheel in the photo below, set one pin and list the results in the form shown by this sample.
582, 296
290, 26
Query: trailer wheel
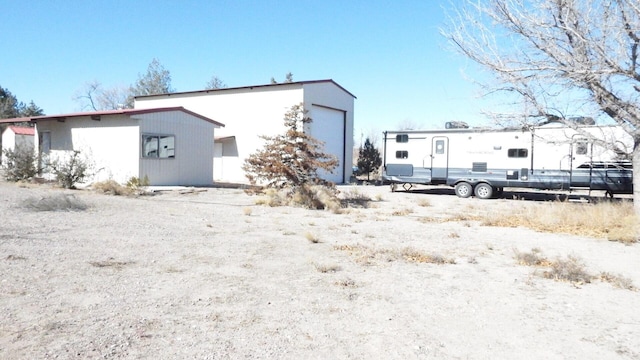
463, 189
483, 191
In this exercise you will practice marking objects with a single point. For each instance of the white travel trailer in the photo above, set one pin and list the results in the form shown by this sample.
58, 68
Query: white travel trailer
485, 161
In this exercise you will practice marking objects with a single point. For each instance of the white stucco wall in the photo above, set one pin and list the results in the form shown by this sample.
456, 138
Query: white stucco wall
249, 113
111, 144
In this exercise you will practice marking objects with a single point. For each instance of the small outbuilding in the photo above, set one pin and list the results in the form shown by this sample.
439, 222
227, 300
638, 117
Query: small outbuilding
168, 146
250, 112
15, 138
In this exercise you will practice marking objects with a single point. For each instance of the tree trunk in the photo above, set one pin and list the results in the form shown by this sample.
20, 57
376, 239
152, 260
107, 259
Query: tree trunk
636, 177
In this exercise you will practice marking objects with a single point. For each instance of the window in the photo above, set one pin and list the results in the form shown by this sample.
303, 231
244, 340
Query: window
439, 146
158, 146
518, 153
402, 154
402, 138
581, 148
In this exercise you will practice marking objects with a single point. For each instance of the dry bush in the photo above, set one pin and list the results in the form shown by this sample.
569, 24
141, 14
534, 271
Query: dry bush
111, 187
58, 202
354, 198
308, 196
618, 281
533, 258
611, 220
571, 270
247, 211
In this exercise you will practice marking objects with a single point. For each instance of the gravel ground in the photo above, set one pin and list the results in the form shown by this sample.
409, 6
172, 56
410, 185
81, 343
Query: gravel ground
208, 274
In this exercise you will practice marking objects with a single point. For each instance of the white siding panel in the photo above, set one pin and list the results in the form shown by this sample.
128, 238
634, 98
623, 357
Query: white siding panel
193, 161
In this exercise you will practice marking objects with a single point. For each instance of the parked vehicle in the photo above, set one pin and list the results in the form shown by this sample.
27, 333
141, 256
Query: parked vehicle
482, 161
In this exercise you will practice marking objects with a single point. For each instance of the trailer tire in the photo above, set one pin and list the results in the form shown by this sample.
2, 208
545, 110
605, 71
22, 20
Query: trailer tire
463, 189
483, 191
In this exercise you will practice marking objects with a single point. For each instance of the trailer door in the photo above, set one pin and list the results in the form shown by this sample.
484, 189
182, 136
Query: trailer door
439, 157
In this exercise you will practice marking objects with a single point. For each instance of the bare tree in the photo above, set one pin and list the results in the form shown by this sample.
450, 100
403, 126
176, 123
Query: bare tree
215, 83
93, 96
558, 57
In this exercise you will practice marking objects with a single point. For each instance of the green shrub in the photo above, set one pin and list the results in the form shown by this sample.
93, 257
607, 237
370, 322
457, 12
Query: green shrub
71, 169
21, 164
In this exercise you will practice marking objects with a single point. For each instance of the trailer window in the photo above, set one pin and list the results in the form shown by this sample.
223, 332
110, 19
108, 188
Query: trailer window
582, 148
158, 146
402, 138
402, 154
439, 146
518, 153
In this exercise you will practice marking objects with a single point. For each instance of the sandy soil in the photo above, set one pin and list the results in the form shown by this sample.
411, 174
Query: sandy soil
210, 275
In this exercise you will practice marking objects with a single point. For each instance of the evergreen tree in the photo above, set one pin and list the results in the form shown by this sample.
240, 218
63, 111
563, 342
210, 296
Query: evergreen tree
290, 163
368, 159
157, 80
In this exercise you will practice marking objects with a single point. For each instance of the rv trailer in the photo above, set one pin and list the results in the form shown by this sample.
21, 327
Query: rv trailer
482, 162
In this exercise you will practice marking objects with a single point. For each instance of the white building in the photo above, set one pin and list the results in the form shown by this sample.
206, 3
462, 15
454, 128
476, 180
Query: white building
17, 137
169, 146
253, 111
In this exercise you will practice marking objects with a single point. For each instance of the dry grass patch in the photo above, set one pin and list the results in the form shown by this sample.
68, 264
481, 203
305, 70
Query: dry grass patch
402, 212
413, 255
365, 255
15, 257
111, 187
424, 202
347, 283
614, 221
247, 211
618, 281
355, 199
327, 268
111, 263
572, 270
58, 202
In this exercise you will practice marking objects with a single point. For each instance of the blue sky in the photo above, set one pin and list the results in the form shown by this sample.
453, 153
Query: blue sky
388, 53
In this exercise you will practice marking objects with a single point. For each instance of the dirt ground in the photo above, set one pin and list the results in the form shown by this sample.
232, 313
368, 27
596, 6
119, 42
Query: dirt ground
208, 274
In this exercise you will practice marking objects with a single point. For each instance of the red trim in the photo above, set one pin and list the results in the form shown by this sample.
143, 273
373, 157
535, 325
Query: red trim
22, 130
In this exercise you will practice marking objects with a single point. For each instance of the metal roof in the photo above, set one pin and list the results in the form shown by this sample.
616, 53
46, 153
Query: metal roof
97, 114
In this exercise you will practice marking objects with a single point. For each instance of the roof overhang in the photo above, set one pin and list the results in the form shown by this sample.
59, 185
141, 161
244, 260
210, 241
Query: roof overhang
98, 115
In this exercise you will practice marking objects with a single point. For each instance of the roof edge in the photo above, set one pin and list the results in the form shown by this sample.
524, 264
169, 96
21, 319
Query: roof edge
206, 91
111, 112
